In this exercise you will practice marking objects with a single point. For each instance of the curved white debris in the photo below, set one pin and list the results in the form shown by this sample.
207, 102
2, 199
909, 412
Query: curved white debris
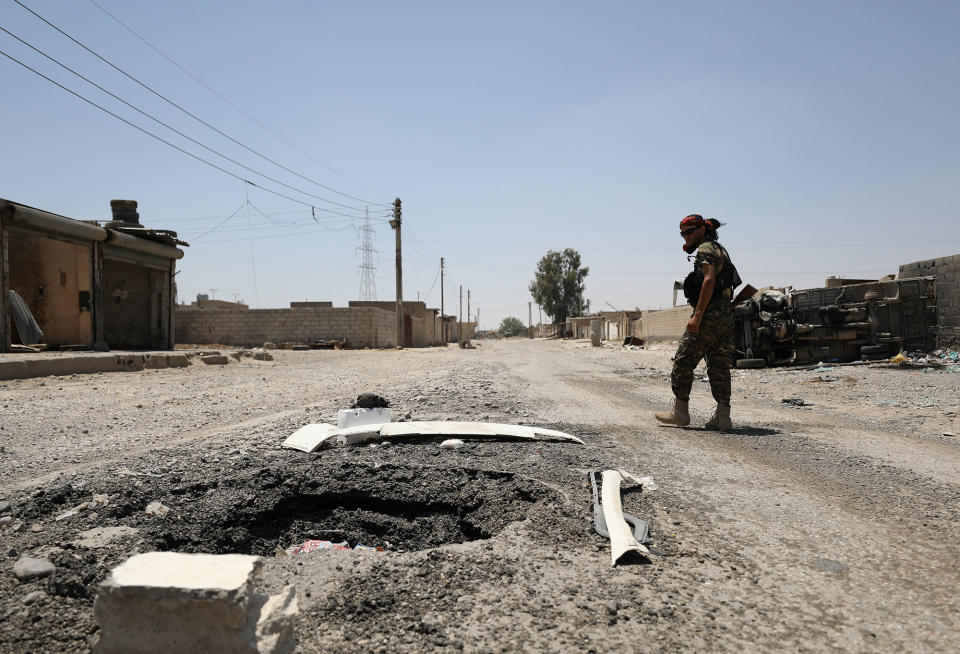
621, 539
309, 437
479, 430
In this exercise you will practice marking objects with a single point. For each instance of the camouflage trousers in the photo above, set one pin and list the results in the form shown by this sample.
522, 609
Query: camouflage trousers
713, 342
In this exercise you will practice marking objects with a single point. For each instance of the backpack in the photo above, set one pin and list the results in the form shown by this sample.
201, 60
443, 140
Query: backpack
728, 278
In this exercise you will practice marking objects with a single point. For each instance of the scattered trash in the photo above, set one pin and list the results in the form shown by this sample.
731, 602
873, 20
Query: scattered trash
311, 545
795, 401
827, 378
366, 548
452, 444
950, 434
157, 509
823, 368
932, 362
633, 340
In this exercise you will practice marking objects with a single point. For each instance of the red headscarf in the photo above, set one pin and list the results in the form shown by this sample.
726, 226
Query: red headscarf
693, 220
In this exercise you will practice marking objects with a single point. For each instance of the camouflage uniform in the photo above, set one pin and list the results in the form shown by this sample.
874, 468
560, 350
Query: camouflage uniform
714, 340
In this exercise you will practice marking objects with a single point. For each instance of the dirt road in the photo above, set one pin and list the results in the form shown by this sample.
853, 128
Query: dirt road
826, 527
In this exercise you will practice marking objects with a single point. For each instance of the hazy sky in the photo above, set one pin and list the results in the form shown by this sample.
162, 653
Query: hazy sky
826, 134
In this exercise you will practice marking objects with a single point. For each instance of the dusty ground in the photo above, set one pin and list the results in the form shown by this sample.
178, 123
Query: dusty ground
832, 527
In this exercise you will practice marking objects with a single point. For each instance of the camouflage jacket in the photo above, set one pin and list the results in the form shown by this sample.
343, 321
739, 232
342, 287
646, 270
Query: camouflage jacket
714, 254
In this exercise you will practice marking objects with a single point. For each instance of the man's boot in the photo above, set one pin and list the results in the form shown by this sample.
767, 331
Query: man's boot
721, 419
678, 415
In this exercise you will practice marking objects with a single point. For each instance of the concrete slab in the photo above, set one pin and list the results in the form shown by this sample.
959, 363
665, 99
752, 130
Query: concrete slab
228, 572
174, 602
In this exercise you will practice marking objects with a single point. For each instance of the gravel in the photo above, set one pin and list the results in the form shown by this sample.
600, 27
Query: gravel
830, 526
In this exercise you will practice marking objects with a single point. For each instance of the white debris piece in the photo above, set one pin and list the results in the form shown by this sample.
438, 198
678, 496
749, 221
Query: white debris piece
621, 538
452, 444
358, 434
309, 437
482, 430
174, 602
356, 417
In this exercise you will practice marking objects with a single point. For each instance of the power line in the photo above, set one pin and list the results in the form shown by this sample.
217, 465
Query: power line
173, 129
197, 118
218, 225
213, 91
161, 139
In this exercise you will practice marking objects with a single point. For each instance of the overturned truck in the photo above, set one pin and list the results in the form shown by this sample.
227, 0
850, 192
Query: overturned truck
873, 320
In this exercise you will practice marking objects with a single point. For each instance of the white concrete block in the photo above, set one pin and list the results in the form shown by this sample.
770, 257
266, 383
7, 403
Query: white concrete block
357, 417
173, 602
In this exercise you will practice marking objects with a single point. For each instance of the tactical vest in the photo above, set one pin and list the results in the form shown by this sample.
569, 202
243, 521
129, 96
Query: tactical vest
727, 279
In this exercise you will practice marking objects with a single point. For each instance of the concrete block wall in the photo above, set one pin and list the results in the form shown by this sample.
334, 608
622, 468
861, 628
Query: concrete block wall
360, 326
947, 272
667, 323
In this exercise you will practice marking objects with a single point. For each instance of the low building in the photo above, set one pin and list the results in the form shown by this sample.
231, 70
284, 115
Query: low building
946, 270
87, 285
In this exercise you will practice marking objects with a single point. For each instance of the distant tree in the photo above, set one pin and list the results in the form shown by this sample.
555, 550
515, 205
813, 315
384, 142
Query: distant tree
511, 327
558, 285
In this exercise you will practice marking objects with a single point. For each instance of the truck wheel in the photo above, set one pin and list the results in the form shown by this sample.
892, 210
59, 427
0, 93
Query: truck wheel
752, 363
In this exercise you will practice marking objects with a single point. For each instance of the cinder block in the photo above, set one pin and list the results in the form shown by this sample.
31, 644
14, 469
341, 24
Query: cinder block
173, 602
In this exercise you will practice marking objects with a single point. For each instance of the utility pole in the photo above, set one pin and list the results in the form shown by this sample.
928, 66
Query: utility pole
468, 306
443, 323
460, 321
395, 224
